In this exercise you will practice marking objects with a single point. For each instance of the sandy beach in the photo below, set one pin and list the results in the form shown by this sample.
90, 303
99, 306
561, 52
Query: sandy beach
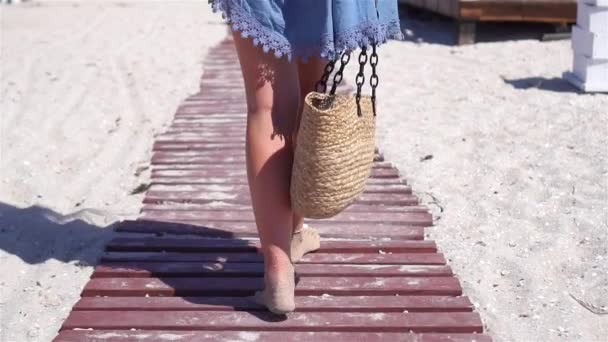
511, 158
85, 87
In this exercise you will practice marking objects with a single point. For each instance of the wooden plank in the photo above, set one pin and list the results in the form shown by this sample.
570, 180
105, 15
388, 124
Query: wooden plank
216, 122
203, 108
244, 198
242, 188
187, 154
303, 304
176, 206
306, 286
243, 180
233, 229
217, 269
453, 322
407, 217
203, 139
233, 159
198, 147
225, 144
232, 136
198, 129
236, 245
201, 173
181, 257
313, 258
206, 153
213, 167
248, 336
226, 229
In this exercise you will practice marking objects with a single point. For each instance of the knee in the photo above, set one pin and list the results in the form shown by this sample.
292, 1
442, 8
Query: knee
277, 104
282, 111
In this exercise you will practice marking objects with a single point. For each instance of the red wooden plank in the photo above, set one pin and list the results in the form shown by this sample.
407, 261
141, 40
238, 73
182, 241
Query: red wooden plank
303, 304
198, 147
191, 269
214, 128
369, 258
181, 257
208, 139
236, 245
197, 129
313, 258
230, 145
229, 124
230, 135
453, 322
222, 158
176, 206
241, 175
248, 336
413, 217
162, 155
316, 286
205, 108
243, 180
242, 188
233, 229
201, 173
243, 198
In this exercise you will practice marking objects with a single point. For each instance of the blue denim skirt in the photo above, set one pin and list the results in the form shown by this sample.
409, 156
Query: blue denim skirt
312, 28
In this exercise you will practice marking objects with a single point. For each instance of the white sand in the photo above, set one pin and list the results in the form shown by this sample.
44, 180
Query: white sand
85, 87
518, 180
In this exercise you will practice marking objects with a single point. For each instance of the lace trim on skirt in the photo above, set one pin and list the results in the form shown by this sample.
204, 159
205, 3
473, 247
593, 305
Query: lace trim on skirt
329, 45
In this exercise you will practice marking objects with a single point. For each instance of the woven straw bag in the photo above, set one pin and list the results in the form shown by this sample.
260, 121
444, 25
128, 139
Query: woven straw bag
335, 144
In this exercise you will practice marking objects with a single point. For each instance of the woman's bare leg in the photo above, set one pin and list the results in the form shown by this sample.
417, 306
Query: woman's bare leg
273, 92
306, 240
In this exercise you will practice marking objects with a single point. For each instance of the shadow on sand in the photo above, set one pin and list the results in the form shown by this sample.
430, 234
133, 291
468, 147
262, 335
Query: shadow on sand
36, 234
549, 84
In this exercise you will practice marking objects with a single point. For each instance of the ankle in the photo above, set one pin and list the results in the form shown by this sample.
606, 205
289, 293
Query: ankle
276, 262
299, 228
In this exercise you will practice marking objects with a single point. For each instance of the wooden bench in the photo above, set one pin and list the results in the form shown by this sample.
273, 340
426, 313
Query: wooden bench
468, 12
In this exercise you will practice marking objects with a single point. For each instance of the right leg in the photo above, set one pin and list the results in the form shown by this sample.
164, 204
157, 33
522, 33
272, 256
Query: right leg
272, 90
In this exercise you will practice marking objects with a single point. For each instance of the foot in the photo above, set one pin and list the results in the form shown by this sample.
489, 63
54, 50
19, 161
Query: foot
304, 241
278, 293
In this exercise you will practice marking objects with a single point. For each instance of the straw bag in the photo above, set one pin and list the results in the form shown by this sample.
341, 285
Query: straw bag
335, 143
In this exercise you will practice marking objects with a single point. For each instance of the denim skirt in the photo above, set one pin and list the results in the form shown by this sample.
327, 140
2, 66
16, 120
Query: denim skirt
302, 29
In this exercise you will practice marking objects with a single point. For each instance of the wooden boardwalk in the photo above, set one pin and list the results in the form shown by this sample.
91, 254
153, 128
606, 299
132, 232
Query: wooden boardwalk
189, 274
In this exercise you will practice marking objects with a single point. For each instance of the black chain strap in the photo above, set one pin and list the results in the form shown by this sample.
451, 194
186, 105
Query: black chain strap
360, 79
321, 85
374, 79
338, 76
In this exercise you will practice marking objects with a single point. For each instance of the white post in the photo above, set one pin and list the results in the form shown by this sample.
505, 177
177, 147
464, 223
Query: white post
590, 47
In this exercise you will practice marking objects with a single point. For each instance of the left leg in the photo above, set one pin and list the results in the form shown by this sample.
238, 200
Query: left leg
272, 90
